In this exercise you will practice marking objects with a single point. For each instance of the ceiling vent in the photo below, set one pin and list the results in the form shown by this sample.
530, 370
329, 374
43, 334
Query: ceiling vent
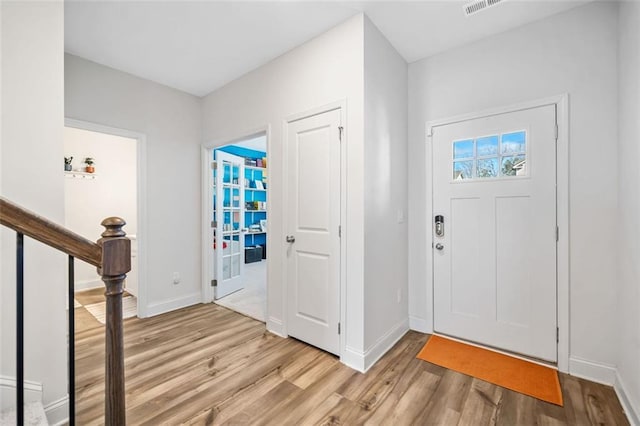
479, 5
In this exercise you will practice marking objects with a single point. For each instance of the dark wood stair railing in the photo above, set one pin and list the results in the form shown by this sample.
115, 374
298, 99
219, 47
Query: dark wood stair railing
112, 256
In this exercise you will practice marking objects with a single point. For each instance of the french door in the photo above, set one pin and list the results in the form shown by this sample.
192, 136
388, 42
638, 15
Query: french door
229, 227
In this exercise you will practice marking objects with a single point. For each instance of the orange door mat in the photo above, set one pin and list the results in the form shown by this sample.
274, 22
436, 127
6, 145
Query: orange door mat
502, 370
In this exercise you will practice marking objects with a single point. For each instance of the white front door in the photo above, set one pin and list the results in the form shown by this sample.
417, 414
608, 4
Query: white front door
494, 257
313, 241
229, 210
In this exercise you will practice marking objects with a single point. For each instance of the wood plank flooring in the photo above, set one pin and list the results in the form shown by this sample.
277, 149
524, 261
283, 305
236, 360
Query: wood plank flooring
207, 365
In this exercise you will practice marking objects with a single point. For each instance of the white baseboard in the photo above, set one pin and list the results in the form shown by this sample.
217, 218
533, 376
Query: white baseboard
384, 343
353, 358
173, 304
420, 324
362, 361
58, 411
88, 284
275, 326
596, 372
631, 408
32, 392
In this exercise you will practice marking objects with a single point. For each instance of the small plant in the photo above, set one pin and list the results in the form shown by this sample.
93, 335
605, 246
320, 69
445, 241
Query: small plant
89, 162
67, 163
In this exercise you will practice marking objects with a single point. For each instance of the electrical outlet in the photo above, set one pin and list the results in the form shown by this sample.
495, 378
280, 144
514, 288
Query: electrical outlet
176, 278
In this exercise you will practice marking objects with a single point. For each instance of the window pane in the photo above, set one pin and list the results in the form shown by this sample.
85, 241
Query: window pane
462, 170
463, 149
513, 143
487, 167
514, 166
487, 146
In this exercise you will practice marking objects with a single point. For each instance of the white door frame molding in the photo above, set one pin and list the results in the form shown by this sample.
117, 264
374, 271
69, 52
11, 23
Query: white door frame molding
562, 205
141, 235
206, 151
342, 106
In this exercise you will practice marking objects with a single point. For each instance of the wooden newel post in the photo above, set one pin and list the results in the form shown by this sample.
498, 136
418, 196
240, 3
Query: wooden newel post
116, 262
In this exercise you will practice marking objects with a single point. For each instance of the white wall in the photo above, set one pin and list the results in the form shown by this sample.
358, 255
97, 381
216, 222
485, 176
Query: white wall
573, 52
112, 191
627, 328
385, 185
323, 70
32, 175
171, 121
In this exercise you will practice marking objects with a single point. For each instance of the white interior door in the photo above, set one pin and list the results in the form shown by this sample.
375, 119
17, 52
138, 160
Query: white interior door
229, 227
494, 185
313, 210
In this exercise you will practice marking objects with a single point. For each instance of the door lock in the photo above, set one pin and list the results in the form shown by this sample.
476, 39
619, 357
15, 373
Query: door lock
291, 239
439, 246
439, 226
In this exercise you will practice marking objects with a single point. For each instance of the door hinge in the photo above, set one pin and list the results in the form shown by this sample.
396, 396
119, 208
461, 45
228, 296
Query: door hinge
339, 231
557, 234
340, 130
557, 334
338, 328
214, 283
557, 132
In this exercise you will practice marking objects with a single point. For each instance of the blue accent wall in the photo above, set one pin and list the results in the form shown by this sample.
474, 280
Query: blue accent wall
241, 152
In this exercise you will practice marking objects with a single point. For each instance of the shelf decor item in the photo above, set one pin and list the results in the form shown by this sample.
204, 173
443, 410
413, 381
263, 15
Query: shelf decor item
89, 165
67, 164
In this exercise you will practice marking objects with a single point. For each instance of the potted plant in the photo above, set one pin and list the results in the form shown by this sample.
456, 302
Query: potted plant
67, 163
89, 162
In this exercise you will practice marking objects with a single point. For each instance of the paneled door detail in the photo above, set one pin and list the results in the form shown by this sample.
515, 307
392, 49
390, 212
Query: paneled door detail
312, 231
494, 231
228, 223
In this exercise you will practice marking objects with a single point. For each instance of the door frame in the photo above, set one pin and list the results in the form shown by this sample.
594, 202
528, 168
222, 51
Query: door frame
562, 209
141, 200
206, 153
341, 105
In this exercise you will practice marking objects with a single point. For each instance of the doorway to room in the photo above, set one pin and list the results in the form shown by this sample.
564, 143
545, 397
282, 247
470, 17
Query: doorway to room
237, 242
101, 180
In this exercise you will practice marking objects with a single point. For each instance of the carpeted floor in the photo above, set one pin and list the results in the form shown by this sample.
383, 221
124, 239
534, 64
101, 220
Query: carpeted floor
33, 415
252, 299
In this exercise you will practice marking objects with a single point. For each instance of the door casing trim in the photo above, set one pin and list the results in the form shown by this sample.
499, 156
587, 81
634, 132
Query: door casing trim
562, 210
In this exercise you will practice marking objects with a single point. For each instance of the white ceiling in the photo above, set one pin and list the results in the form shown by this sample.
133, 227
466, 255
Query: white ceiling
199, 46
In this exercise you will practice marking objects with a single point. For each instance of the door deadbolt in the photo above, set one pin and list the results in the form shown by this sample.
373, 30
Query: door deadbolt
291, 239
439, 226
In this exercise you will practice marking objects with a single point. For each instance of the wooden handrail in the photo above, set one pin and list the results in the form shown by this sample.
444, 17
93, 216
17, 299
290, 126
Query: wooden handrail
112, 256
36, 227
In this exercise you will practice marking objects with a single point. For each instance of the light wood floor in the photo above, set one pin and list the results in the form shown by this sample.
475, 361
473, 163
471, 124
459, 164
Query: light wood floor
207, 365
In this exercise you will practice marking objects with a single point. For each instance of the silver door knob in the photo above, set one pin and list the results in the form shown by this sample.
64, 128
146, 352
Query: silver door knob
291, 239
439, 246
